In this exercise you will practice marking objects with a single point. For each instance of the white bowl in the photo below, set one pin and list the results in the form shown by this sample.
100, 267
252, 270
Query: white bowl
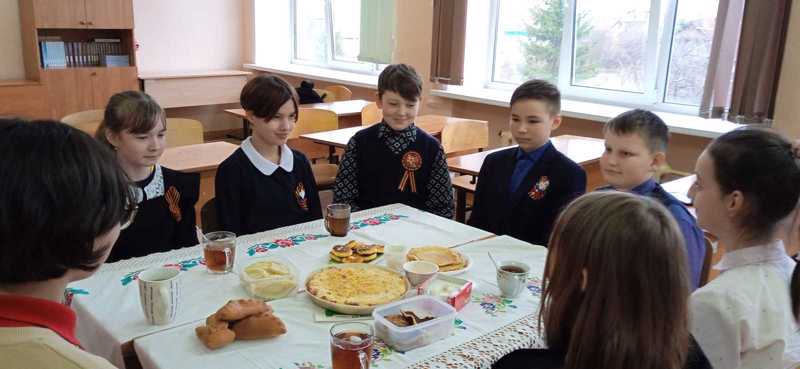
418, 271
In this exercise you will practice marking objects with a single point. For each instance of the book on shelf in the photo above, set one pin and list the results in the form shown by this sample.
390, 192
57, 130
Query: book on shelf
106, 52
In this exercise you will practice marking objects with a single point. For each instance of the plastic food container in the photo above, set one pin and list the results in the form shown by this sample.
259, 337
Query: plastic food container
269, 277
454, 291
411, 337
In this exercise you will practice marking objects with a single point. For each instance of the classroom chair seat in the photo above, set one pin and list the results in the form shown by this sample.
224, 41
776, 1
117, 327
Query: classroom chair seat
324, 175
370, 114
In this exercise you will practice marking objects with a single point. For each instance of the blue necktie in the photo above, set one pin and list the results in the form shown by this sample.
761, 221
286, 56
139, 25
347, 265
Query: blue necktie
522, 168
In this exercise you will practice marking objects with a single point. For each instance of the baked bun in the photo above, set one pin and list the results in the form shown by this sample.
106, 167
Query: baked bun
341, 251
264, 325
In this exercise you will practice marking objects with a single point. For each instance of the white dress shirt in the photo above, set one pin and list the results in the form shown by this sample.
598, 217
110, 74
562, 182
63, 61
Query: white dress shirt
743, 318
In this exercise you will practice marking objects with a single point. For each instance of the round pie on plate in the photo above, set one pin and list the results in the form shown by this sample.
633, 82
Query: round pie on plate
355, 288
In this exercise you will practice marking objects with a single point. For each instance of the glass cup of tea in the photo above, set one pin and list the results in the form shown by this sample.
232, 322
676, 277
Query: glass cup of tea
512, 277
351, 345
337, 219
219, 250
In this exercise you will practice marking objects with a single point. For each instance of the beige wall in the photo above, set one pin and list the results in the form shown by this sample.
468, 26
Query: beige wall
11, 63
787, 105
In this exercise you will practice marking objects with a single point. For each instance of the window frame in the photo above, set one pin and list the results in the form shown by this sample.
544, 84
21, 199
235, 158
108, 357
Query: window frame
331, 62
658, 49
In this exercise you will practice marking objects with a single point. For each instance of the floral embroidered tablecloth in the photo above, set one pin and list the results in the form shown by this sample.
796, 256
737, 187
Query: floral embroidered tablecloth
107, 304
486, 329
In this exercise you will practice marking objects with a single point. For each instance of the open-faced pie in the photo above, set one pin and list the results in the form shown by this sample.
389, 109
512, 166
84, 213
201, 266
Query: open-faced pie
364, 286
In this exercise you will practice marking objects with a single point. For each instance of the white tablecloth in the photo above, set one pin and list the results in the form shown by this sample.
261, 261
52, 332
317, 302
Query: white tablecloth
486, 329
107, 304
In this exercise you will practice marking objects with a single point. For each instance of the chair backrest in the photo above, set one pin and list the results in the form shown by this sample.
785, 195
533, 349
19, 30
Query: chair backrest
465, 135
208, 216
310, 120
705, 271
666, 173
87, 120
370, 114
184, 131
340, 93
326, 95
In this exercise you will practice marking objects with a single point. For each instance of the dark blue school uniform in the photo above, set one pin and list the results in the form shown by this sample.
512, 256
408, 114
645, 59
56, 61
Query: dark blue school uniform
692, 234
255, 195
547, 182
165, 219
376, 161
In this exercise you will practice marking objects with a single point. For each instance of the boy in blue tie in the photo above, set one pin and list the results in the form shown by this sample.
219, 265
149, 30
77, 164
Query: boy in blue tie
522, 189
636, 147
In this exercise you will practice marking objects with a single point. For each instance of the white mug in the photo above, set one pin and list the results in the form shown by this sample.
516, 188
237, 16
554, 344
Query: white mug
159, 293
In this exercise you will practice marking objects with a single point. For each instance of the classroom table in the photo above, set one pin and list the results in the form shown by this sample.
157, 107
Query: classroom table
111, 324
431, 123
585, 151
201, 158
348, 111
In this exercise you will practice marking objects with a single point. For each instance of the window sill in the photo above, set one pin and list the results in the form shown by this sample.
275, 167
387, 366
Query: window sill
677, 123
321, 74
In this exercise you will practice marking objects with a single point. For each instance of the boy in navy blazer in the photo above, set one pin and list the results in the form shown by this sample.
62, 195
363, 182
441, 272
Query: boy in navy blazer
521, 190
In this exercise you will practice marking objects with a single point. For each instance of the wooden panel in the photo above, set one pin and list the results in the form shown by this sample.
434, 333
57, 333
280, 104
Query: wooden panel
25, 101
109, 14
59, 13
180, 92
108, 81
69, 90
30, 49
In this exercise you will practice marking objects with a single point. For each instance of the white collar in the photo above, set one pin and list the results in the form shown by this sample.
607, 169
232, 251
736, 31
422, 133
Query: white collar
153, 189
262, 164
773, 252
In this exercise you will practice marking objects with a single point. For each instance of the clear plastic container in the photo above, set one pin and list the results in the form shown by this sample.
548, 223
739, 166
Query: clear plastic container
269, 277
411, 337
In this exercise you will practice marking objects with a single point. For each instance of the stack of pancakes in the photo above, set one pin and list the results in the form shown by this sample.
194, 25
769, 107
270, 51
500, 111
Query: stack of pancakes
355, 252
447, 259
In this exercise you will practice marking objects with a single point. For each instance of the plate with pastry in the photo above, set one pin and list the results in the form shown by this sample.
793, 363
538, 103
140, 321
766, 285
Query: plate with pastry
355, 289
450, 261
355, 252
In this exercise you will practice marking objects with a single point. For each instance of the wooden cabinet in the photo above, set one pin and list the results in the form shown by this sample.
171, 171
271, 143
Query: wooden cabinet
95, 14
71, 90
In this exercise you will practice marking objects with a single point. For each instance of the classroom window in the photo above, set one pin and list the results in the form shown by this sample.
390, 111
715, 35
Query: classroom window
625, 52
327, 34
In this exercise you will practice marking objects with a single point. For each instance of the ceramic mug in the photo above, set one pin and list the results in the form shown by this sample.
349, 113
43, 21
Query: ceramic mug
159, 293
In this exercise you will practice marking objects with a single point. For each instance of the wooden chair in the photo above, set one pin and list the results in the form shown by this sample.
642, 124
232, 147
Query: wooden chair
370, 114
666, 174
87, 120
463, 136
340, 93
311, 120
184, 131
208, 216
465, 189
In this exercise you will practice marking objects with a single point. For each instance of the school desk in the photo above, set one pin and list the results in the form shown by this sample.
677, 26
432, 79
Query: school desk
107, 304
348, 111
585, 151
201, 158
431, 123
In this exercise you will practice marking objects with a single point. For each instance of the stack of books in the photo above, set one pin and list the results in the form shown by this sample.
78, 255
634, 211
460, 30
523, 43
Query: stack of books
100, 52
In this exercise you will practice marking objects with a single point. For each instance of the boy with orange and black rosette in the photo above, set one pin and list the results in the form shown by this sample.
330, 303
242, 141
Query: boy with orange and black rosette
394, 161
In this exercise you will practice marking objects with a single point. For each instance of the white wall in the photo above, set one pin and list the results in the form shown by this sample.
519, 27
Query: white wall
187, 35
11, 62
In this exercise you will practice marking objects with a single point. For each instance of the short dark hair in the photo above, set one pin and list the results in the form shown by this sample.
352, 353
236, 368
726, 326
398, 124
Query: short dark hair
537, 89
402, 79
644, 123
265, 94
60, 190
132, 111
759, 163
